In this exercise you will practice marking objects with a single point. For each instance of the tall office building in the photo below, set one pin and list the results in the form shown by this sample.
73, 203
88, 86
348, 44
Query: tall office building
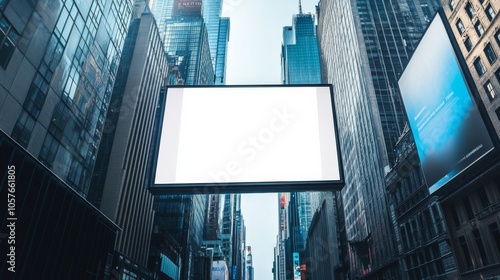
178, 18
58, 67
363, 52
472, 209
280, 271
228, 228
237, 271
119, 184
218, 37
220, 60
57, 72
322, 256
300, 62
186, 43
249, 265
162, 9
211, 13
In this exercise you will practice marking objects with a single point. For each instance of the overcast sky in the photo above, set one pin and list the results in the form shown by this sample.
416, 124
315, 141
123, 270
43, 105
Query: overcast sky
254, 58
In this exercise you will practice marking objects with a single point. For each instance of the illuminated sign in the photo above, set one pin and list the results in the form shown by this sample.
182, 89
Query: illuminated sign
248, 139
449, 132
296, 266
187, 7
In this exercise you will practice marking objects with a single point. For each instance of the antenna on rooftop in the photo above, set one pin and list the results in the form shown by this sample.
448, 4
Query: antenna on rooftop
300, 7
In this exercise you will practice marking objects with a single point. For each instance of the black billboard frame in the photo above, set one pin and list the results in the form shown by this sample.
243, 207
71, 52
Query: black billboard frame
236, 187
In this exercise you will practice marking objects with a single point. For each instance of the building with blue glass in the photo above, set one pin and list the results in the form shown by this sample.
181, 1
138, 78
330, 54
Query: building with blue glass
120, 190
300, 62
220, 60
195, 36
186, 43
58, 69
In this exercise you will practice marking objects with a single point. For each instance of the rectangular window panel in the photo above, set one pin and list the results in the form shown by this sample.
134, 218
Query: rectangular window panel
8, 40
490, 90
460, 27
480, 246
478, 65
490, 54
470, 10
468, 44
490, 13
24, 127
495, 234
479, 28
465, 251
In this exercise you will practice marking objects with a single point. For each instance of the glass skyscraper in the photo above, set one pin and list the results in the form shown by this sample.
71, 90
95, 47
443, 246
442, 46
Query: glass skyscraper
363, 53
300, 63
211, 12
58, 75
186, 41
190, 55
220, 60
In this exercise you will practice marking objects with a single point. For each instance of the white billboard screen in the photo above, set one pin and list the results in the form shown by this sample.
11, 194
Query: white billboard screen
256, 135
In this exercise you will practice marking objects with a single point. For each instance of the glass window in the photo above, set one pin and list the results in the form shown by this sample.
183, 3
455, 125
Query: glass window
479, 28
465, 251
495, 233
23, 128
468, 208
490, 53
468, 44
498, 113
497, 37
470, 10
490, 90
460, 26
8, 40
490, 13
455, 215
479, 67
483, 197
480, 246
49, 150
497, 74
452, 5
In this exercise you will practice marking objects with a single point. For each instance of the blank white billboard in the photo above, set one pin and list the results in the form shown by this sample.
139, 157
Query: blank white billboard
248, 136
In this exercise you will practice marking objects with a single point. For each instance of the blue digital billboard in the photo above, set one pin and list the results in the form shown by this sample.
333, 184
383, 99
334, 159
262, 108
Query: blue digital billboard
450, 134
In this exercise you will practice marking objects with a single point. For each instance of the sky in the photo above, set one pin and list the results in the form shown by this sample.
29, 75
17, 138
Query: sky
254, 58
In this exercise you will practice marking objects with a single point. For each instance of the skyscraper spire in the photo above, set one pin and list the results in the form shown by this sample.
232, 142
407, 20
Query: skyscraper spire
300, 7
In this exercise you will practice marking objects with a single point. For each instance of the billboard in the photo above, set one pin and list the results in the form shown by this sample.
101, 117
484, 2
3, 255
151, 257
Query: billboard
450, 134
220, 270
247, 139
187, 7
296, 266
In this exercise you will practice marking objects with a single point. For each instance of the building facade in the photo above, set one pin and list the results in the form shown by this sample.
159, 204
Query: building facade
220, 60
119, 185
57, 73
322, 256
186, 43
420, 229
472, 212
48, 230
